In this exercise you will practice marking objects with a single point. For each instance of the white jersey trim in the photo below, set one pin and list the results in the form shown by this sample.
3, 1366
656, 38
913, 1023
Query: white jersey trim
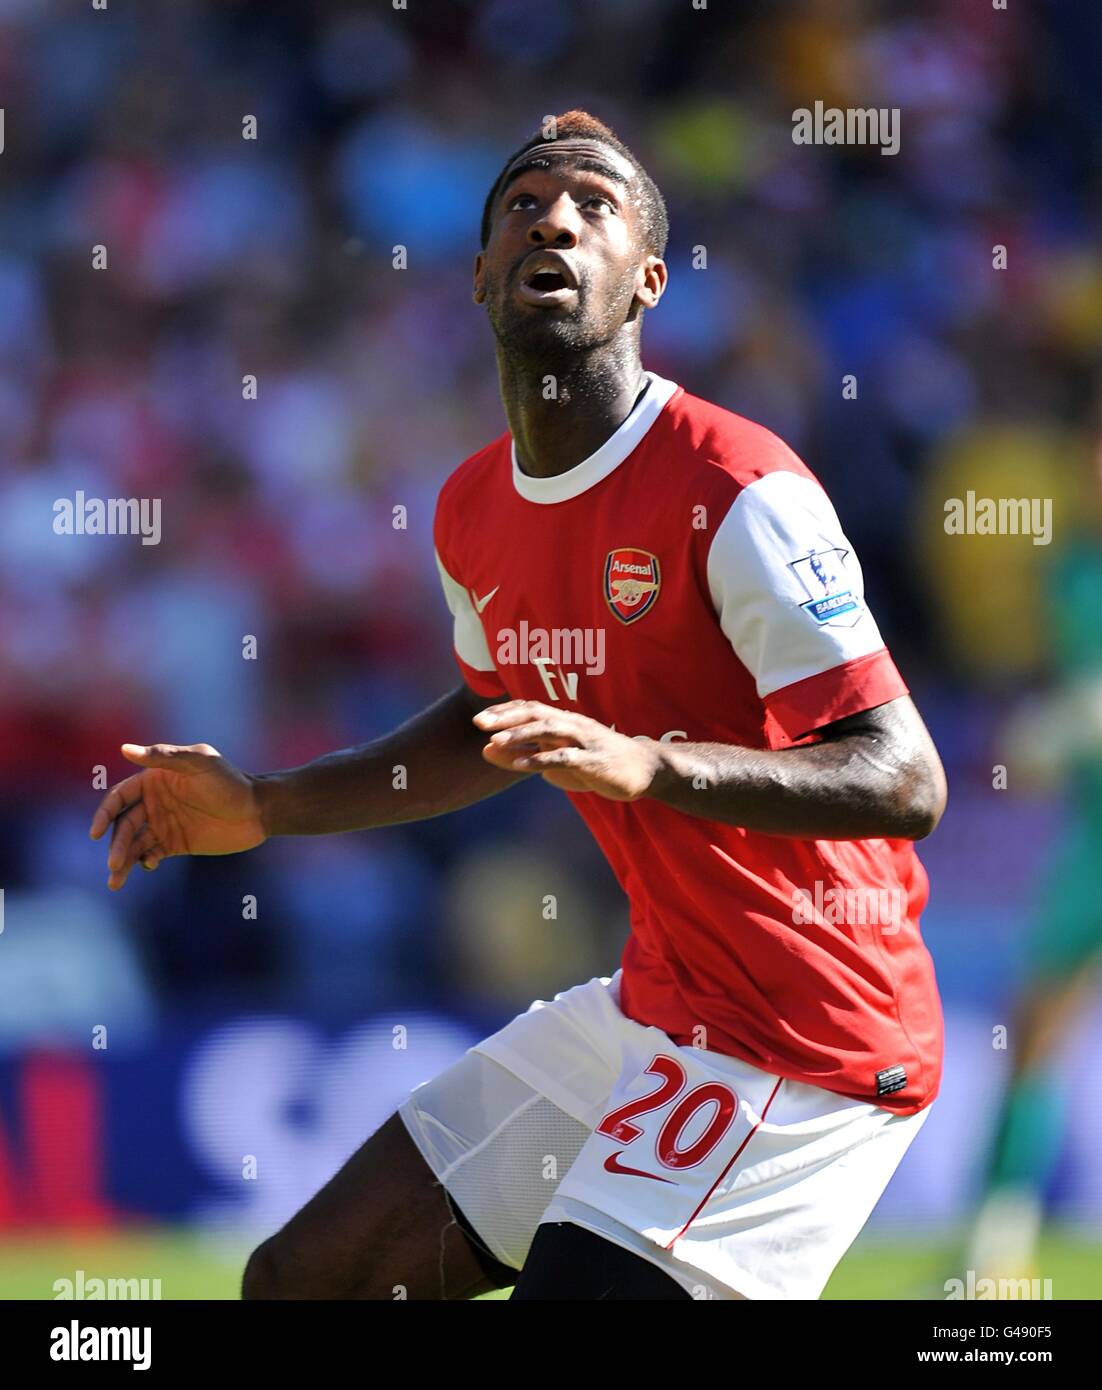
607, 458
469, 638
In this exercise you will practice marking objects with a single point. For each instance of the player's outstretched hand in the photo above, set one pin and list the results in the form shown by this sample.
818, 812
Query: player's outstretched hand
570, 750
188, 800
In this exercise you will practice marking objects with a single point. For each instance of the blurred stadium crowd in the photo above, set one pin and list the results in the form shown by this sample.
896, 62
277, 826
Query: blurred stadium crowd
274, 257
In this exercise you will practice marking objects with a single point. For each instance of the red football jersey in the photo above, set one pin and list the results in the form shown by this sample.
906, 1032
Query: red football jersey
690, 580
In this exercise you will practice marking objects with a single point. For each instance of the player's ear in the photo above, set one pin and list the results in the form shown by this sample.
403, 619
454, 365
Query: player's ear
479, 287
650, 283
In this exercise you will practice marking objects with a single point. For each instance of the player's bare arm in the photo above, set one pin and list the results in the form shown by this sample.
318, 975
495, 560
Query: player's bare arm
353, 789
192, 800
875, 774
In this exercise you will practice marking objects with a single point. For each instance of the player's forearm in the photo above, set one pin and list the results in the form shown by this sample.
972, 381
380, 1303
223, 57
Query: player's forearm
428, 766
848, 789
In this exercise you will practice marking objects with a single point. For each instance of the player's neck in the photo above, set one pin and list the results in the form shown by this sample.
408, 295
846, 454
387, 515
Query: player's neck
593, 397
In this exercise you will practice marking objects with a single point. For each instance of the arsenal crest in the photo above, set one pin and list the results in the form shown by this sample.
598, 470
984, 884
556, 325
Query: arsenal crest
632, 580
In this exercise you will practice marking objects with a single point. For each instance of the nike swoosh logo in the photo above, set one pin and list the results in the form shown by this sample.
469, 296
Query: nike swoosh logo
613, 1165
480, 603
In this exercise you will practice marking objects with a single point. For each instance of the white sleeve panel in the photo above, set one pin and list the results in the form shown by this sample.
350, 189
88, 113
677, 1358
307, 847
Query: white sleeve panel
786, 585
469, 639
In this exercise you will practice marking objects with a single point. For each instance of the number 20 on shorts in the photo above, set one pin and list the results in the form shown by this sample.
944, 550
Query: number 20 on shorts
618, 1124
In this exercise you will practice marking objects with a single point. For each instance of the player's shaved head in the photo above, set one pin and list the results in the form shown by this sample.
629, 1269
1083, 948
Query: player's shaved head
587, 143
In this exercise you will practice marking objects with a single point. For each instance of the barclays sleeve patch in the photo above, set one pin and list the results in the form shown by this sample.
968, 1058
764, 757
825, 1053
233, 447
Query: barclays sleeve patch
832, 600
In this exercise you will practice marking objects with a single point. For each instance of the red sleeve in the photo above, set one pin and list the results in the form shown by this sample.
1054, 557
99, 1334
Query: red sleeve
864, 683
468, 639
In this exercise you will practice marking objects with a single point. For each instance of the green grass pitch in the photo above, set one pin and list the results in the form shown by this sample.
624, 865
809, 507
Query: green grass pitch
190, 1266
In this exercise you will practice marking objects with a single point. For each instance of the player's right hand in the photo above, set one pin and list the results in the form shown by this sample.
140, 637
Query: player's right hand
188, 800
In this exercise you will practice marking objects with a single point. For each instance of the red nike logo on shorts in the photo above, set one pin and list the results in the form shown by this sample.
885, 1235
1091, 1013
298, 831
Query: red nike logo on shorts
613, 1165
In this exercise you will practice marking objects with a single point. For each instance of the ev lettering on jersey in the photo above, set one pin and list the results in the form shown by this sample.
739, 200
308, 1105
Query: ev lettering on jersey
631, 582
823, 576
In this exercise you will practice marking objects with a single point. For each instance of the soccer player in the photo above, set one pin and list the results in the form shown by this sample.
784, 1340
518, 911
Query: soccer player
655, 610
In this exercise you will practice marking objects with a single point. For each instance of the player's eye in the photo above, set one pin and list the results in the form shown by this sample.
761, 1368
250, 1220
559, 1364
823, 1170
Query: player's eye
519, 197
599, 198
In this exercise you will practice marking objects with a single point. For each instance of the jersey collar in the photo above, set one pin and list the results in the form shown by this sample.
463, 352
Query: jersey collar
608, 457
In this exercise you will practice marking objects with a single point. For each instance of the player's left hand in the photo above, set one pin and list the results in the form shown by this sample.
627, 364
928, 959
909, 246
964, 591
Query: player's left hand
569, 750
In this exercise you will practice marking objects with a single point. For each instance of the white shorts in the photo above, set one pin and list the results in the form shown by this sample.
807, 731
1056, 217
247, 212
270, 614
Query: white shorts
735, 1182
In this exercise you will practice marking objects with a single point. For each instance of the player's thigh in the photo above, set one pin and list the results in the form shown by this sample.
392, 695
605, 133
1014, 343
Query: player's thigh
381, 1228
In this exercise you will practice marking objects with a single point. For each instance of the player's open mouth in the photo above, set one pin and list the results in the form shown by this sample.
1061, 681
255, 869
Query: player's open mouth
547, 280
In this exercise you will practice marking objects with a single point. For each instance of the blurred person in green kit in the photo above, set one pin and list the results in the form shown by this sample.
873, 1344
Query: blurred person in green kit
1057, 743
